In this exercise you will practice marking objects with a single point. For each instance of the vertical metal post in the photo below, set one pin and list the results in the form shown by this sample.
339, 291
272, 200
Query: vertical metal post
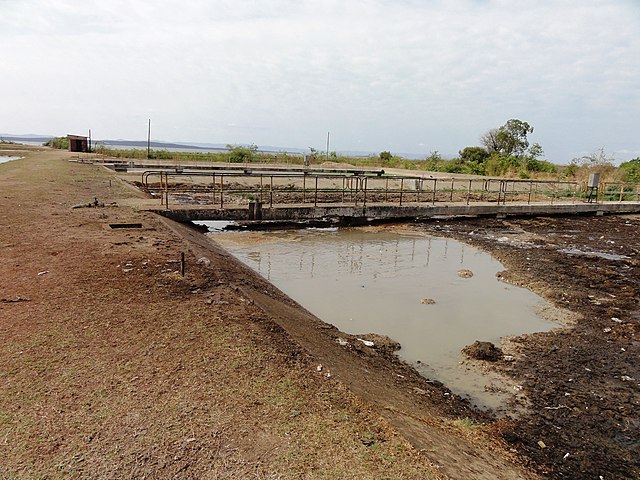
356, 179
621, 191
182, 263
386, 190
304, 187
261, 187
435, 186
530, 188
343, 187
364, 201
221, 191
315, 198
166, 189
271, 193
213, 189
469, 192
451, 196
401, 189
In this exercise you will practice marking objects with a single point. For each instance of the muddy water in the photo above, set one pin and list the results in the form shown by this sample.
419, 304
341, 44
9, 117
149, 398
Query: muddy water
375, 281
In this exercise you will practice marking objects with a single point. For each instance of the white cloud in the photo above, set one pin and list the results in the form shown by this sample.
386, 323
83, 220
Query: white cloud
381, 72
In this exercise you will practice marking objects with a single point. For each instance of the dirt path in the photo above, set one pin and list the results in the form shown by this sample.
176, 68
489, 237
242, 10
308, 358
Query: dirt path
113, 365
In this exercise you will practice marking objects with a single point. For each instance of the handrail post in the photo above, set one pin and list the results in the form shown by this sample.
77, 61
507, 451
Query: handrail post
364, 201
221, 191
435, 186
401, 189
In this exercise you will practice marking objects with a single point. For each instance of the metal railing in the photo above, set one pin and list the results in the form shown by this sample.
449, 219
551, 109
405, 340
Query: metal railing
223, 187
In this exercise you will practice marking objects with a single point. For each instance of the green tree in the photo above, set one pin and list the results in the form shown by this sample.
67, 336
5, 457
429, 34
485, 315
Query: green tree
631, 170
58, 142
242, 154
474, 154
385, 157
512, 137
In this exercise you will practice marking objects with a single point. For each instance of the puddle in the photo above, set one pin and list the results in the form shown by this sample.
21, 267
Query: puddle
368, 281
605, 255
8, 158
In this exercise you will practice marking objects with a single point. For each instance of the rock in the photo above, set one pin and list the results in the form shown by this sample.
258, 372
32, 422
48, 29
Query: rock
427, 301
464, 273
342, 342
541, 444
483, 351
379, 342
203, 261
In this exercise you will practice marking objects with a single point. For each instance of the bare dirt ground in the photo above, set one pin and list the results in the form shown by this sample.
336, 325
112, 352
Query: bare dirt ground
113, 365
583, 382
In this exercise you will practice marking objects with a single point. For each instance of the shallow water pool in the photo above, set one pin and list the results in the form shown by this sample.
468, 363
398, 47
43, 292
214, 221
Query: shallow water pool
381, 281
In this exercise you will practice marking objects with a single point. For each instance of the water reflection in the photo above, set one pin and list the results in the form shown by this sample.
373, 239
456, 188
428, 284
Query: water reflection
373, 281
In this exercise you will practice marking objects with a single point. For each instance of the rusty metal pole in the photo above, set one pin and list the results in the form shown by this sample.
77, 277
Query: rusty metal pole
182, 263
271, 193
435, 186
166, 186
364, 201
221, 191
451, 196
315, 197
401, 189
469, 192
356, 192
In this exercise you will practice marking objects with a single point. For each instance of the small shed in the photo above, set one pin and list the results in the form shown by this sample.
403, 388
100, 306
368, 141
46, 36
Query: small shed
78, 143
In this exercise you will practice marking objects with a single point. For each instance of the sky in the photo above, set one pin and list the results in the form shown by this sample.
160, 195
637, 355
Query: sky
408, 76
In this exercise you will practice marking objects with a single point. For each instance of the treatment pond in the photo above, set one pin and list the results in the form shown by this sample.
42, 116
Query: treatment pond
408, 286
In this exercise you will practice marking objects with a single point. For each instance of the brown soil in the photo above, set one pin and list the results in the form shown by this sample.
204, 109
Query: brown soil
583, 382
114, 365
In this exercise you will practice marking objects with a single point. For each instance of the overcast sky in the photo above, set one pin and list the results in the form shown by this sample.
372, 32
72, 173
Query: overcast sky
410, 76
